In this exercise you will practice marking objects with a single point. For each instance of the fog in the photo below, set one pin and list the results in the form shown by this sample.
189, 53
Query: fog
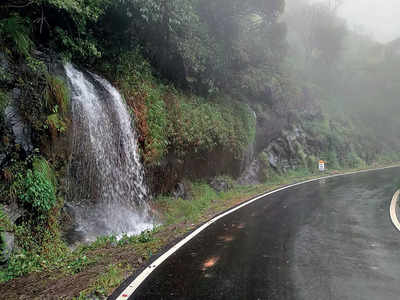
378, 18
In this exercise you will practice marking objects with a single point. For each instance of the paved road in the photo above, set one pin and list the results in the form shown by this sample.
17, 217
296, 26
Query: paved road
330, 239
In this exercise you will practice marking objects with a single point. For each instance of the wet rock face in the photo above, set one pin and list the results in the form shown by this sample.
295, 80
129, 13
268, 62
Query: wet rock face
252, 174
7, 245
6, 74
4, 65
21, 131
286, 152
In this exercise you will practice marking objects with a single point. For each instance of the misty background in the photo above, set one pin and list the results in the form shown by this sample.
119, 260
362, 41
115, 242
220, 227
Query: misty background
351, 50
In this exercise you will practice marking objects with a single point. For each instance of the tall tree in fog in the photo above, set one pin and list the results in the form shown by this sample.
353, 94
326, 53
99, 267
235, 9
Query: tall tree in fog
248, 36
320, 31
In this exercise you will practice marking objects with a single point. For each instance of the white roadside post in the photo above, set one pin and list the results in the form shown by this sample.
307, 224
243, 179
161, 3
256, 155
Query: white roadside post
321, 166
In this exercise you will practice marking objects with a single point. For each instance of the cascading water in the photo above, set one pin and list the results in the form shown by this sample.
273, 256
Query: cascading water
106, 188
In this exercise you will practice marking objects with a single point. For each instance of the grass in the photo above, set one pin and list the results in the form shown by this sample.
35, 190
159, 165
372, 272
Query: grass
109, 280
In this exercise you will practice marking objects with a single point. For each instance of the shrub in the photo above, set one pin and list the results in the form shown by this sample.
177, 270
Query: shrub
301, 155
36, 188
169, 121
331, 159
16, 29
265, 171
312, 163
197, 125
354, 161
56, 125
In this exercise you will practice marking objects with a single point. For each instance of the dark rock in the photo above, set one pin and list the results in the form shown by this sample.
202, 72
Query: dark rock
285, 152
21, 131
4, 64
251, 174
3, 157
273, 159
179, 191
183, 190
222, 183
13, 212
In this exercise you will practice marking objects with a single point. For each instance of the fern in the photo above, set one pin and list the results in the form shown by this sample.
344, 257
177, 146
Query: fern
15, 28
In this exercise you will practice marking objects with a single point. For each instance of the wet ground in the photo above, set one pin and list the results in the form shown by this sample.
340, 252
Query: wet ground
330, 239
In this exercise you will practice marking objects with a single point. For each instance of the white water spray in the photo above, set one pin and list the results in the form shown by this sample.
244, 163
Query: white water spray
106, 186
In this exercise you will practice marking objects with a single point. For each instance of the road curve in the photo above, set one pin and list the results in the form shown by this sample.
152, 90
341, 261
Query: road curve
329, 239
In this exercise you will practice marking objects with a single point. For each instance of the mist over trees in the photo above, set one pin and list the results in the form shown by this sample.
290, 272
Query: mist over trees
357, 75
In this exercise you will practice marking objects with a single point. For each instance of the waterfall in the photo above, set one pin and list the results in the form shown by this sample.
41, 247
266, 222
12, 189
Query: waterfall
106, 189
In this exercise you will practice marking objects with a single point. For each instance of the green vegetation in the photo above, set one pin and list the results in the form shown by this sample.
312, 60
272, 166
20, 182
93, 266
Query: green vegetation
36, 188
109, 280
16, 29
3, 246
180, 210
57, 98
169, 120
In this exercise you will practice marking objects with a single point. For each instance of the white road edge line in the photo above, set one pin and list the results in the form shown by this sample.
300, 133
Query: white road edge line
136, 282
393, 210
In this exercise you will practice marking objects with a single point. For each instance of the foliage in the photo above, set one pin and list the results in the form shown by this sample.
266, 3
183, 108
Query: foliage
57, 101
57, 95
302, 156
332, 160
354, 161
55, 124
312, 162
109, 280
171, 121
200, 126
179, 210
79, 264
36, 188
16, 29
265, 167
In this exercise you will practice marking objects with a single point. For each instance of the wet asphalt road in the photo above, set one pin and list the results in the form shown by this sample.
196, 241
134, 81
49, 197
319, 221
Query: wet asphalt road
330, 239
